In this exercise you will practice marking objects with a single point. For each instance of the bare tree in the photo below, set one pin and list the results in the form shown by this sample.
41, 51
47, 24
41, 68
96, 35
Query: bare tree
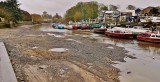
131, 7
113, 7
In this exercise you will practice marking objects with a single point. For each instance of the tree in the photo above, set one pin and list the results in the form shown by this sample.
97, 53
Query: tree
36, 18
46, 17
5, 13
78, 16
26, 16
57, 18
131, 7
104, 8
13, 7
113, 7
85, 9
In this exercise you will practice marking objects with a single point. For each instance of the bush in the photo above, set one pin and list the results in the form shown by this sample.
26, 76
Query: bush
7, 25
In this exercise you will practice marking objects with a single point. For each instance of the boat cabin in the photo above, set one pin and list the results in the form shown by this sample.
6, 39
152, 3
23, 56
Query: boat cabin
150, 35
119, 31
155, 36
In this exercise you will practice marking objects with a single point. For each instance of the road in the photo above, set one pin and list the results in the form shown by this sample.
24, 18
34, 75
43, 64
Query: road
6, 71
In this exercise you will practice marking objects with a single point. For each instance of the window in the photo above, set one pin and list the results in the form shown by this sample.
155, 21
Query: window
158, 36
153, 35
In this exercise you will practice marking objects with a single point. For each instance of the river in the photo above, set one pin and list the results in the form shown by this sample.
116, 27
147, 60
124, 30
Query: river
144, 68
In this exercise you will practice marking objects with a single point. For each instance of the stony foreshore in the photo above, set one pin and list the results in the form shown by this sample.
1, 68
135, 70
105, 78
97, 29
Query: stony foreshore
84, 61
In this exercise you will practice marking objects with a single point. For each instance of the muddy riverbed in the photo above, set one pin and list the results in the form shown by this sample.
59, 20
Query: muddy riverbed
44, 54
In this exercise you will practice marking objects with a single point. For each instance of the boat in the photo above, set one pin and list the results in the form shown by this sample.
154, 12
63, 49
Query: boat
69, 27
95, 25
134, 29
74, 27
101, 30
119, 33
150, 37
58, 26
54, 25
137, 30
85, 26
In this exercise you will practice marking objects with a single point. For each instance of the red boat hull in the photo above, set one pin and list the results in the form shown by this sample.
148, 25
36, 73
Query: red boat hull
100, 30
85, 27
75, 27
119, 35
148, 39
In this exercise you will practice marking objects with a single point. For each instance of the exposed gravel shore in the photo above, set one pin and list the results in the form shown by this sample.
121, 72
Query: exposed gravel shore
85, 60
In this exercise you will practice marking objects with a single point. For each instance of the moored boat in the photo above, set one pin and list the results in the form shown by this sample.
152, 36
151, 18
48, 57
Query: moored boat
58, 26
101, 30
134, 29
61, 26
54, 25
74, 27
95, 25
119, 33
69, 27
85, 26
149, 36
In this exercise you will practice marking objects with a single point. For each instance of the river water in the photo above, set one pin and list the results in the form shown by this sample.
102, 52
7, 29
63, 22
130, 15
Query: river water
146, 66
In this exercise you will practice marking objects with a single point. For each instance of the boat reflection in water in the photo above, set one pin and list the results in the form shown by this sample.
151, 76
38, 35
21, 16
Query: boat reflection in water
151, 47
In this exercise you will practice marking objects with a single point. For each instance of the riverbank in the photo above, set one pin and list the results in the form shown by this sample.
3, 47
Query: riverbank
85, 60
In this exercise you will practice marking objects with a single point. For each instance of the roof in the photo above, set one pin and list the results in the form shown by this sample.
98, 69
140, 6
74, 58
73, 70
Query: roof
124, 12
149, 10
109, 12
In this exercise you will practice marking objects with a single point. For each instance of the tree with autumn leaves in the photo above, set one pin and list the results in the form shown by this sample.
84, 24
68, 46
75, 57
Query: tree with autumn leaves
36, 18
10, 10
83, 10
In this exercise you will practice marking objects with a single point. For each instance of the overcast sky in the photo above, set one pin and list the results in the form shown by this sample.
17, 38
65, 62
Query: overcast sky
60, 6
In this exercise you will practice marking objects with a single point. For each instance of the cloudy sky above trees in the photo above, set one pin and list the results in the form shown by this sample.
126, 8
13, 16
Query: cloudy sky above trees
60, 6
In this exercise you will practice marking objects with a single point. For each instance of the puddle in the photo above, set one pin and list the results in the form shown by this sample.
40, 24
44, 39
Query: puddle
73, 40
46, 29
94, 35
85, 36
35, 35
34, 47
110, 47
59, 49
58, 36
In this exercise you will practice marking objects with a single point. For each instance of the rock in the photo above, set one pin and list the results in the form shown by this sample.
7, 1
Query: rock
153, 58
22, 81
34, 47
128, 72
43, 66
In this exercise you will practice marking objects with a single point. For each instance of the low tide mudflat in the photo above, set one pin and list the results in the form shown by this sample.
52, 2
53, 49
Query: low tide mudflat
86, 57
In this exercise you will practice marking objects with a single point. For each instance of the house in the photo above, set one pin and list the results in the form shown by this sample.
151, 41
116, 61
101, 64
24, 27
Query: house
2, 19
150, 15
150, 11
46, 18
101, 17
125, 16
129, 15
57, 18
